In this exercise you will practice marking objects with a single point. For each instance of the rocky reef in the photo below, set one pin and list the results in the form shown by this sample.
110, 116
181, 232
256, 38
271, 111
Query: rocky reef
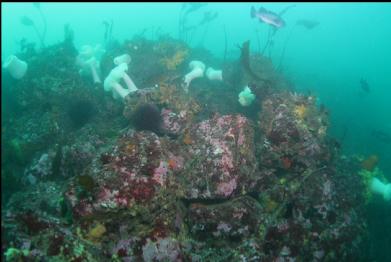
220, 182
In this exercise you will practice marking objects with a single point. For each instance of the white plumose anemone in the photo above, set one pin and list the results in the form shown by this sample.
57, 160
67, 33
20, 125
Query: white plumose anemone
197, 70
111, 82
125, 58
213, 74
381, 188
16, 67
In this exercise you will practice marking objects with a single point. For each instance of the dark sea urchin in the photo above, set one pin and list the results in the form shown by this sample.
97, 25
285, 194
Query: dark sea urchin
147, 117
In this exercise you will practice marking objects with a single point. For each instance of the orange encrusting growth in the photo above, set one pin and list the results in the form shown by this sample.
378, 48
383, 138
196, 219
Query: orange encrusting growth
370, 163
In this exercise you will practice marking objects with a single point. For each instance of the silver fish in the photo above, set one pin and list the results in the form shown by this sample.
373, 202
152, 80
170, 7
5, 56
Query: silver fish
309, 24
267, 17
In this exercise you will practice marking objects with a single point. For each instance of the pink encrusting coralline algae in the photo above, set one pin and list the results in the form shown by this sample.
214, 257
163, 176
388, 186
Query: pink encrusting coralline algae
223, 149
172, 121
159, 175
226, 188
219, 143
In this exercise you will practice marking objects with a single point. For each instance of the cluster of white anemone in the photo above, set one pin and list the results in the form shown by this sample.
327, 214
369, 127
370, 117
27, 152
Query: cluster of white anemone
118, 73
198, 70
88, 61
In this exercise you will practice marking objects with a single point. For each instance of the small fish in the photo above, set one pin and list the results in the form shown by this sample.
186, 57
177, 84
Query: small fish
267, 17
308, 24
381, 136
364, 85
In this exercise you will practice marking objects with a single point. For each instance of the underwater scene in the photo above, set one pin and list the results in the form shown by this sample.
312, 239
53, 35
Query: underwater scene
196, 132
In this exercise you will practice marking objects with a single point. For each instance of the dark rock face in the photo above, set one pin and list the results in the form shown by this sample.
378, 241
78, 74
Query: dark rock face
80, 112
233, 220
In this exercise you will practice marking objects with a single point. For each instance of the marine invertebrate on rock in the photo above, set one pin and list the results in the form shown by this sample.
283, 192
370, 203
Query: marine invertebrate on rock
90, 66
88, 61
16, 67
213, 74
125, 58
246, 97
88, 51
147, 117
197, 70
175, 162
370, 163
379, 187
368, 178
111, 82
